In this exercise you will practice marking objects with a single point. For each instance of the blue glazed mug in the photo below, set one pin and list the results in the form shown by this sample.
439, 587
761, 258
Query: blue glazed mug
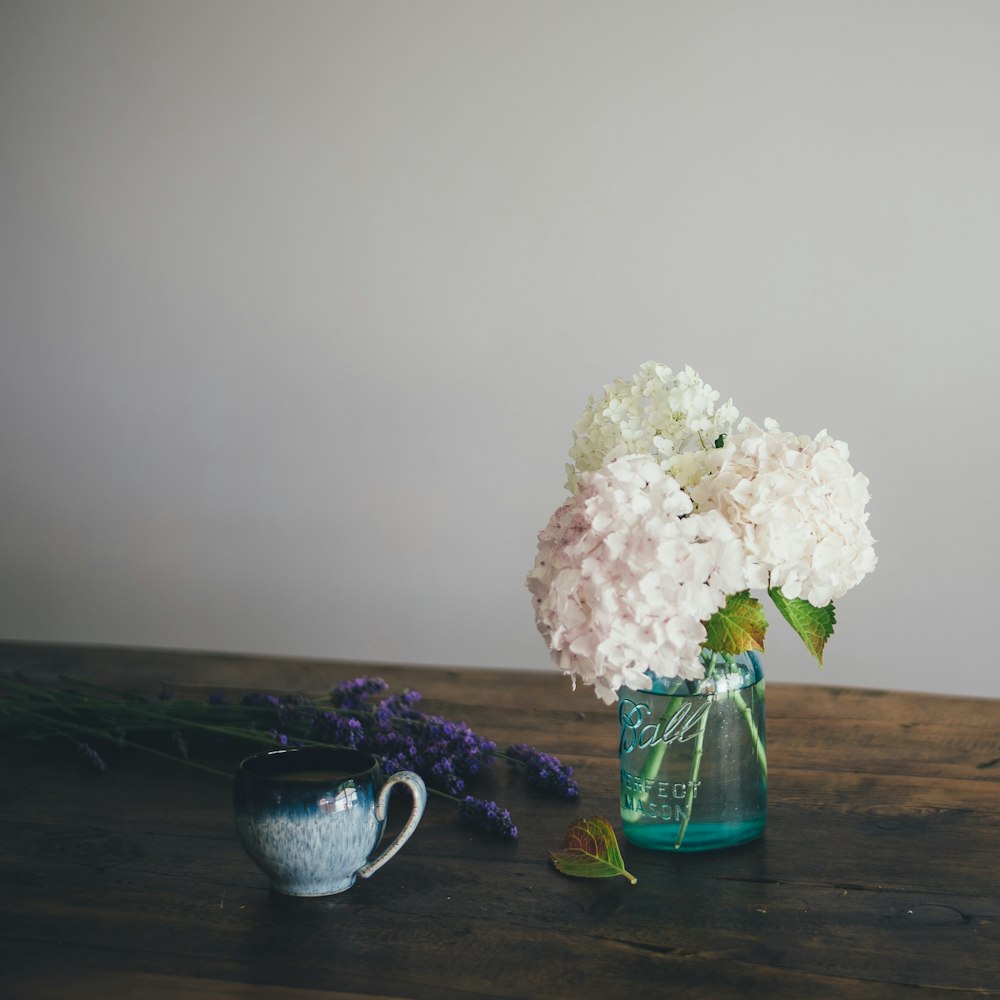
310, 818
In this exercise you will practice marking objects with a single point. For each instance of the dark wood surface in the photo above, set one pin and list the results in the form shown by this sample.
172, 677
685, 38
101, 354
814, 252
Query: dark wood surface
877, 877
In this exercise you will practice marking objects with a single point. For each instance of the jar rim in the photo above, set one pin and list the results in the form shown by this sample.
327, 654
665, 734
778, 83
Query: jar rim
733, 674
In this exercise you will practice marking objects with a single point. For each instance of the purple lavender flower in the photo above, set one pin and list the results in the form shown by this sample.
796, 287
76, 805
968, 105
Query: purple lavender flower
295, 712
444, 771
487, 816
445, 754
352, 694
390, 765
399, 706
95, 760
218, 698
281, 738
543, 771
328, 727
257, 699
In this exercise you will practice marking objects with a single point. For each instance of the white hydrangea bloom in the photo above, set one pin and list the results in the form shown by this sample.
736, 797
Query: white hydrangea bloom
659, 413
626, 575
798, 507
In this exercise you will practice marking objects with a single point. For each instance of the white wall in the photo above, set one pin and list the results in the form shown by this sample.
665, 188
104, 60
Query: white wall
300, 301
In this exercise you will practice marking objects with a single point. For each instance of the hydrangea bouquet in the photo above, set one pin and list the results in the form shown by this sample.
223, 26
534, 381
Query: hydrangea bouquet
676, 512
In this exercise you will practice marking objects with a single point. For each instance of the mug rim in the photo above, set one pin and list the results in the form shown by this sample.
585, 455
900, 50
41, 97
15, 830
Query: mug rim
363, 764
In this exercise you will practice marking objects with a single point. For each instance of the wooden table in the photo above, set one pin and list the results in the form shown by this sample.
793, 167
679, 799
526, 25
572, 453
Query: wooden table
877, 877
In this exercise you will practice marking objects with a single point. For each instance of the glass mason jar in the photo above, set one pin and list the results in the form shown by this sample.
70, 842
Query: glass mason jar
692, 758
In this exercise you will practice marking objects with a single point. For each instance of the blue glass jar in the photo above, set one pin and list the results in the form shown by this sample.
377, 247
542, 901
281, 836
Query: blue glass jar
693, 759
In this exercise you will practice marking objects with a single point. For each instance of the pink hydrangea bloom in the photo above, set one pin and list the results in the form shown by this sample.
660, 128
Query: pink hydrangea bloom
626, 575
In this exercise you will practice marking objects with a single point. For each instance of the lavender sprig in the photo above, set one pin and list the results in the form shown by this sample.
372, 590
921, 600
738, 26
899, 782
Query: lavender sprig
543, 771
359, 713
445, 754
487, 816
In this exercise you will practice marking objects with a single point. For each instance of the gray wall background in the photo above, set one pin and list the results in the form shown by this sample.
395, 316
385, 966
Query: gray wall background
300, 301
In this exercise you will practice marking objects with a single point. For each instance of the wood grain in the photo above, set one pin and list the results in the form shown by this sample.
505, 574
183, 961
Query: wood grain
877, 876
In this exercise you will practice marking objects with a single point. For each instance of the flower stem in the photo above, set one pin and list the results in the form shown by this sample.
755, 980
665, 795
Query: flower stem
69, 730
172, 720
654, 759
758, 744
699, 748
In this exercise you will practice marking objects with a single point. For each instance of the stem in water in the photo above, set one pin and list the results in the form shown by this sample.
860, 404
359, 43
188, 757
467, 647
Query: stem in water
699, 747
651, 766
744, 710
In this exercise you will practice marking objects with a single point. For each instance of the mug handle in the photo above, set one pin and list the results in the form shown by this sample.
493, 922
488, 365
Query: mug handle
419, 792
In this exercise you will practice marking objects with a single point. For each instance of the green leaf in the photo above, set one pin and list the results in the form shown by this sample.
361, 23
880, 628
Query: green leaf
814, 625
720, 440
737, 627
590, 850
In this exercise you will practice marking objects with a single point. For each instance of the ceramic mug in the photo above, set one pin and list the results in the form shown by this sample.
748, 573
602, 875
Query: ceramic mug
310, 817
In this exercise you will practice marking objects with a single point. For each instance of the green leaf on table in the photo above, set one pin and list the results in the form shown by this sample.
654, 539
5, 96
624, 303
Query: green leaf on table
590, 850
737, 627
814, 625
